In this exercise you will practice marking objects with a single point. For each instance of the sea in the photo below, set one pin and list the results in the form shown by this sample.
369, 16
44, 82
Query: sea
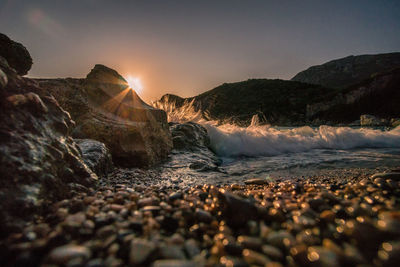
265, 151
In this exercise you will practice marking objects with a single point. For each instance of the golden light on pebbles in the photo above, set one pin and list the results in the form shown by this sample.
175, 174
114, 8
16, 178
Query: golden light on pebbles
312, 255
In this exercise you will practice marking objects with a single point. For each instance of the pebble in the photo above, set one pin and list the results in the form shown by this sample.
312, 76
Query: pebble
140, 251
256, 181
62, 255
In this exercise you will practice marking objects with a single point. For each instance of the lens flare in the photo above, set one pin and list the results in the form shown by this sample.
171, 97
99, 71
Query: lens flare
135, 83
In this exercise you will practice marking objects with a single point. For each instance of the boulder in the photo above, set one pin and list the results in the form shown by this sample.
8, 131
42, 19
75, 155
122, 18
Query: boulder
39, 161
16, 55
96, 156
370, 120
189, 136
106, 109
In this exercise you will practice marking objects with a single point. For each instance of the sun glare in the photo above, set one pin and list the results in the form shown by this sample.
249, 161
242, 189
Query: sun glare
135, 84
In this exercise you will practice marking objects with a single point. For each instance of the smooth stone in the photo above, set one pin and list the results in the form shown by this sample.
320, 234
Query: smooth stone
175, 196
171, 252
256, 181
280, 239
191, 248
140, 251
387, 175
173, 263
64, 254
147, 202
252, 257
249, 242
203, 216
272, 252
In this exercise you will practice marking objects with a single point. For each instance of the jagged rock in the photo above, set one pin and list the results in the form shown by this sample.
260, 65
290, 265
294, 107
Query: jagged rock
16, 55
38, 158
370, 120
96, 156
189, 136
106, 109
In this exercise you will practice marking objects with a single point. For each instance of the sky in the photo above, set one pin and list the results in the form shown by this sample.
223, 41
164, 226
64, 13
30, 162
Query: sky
187, 47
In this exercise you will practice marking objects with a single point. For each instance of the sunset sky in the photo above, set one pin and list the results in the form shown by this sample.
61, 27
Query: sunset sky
187, 47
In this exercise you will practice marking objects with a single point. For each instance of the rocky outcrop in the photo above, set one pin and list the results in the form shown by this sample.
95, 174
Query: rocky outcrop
349, 70
106, 109
15, 54
39, 161
96, 156
191, 138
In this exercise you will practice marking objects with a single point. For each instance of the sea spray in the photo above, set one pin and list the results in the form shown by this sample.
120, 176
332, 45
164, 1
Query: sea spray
229, 140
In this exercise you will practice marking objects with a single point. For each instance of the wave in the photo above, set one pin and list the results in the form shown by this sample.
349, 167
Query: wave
230, 140
233, 141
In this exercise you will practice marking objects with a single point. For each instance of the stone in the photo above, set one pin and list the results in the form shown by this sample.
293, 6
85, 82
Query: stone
203, 216
256, 181
16, 55
189, 136
140, 251
96, 156
106, 109
173, 263
39, 161
253, 257
236, 210
387, 175
62, 255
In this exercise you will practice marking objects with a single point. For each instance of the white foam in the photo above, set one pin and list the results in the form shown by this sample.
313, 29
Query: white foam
230, 140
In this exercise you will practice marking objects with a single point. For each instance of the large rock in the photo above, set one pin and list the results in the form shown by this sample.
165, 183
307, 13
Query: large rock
16, 55
39, 161
96, 156
106, 109
189, 136
349, 70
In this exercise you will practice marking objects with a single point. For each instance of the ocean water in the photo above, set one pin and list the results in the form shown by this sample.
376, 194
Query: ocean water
260, 151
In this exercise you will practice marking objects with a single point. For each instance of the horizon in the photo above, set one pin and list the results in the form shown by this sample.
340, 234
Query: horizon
186, 48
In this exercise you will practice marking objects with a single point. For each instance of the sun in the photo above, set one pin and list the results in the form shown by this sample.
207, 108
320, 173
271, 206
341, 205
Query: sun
134, 83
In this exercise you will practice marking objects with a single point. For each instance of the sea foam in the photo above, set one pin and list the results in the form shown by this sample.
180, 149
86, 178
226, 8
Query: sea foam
230, 140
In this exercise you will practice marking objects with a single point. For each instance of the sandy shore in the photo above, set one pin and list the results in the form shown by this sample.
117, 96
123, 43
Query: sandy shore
341, 218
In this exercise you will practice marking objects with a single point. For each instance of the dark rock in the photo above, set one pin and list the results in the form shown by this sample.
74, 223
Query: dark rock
107, 110
38, 158
189, 136
62, 255
256, 181
96, 156
236, 210
141, 251
16, 55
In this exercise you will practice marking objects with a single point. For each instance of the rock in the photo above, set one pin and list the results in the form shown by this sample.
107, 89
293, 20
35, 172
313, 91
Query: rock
96, 156
256, 181
203, 216
189, 136
236, 210
173, 263
62, 255
387, 175
140, 251
253, 257
107, 110
370, 120
3, 79
38, 158
16, 55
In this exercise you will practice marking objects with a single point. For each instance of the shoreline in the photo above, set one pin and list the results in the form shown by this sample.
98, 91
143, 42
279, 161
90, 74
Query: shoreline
319, 221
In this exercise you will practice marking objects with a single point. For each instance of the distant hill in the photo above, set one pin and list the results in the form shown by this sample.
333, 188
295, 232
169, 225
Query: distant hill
275, 101
291, 103
343, 72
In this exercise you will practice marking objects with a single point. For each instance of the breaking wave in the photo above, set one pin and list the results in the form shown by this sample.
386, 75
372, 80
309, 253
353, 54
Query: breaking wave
229, 140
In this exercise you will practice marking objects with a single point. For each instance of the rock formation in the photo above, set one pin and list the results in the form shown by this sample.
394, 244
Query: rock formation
106, 109
39, 161
15, 54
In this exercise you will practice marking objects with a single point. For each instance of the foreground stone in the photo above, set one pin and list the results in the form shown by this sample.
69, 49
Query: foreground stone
39, 161
301, 222
15, 54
